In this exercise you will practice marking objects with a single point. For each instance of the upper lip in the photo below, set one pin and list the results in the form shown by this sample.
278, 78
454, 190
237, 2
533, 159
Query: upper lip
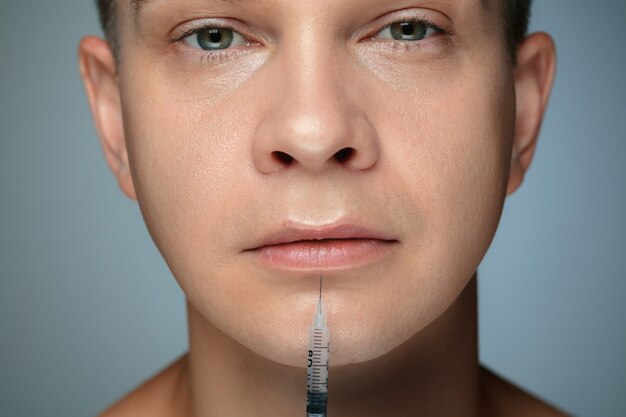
337, 231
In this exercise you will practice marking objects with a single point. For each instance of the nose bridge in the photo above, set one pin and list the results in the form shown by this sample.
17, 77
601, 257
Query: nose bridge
310, 120
310, 49
312, 86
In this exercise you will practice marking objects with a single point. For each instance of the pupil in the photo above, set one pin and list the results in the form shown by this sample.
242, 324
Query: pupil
215, 36
407, 28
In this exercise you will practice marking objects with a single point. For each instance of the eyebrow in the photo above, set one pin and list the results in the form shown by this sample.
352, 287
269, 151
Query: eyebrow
139, 4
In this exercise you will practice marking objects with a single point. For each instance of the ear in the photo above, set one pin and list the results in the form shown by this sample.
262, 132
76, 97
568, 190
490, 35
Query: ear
534, 75
98, 70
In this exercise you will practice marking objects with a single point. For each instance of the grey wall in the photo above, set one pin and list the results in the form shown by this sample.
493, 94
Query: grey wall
553, 285
88, 308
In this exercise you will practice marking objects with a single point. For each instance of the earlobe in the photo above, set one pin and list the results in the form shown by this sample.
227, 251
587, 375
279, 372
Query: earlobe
99, 74
534, 76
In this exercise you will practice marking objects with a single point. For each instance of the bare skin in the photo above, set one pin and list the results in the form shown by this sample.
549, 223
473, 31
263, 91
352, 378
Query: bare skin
169, 393
221, 150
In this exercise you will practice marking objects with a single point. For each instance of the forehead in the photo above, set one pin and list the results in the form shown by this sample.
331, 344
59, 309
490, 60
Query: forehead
138, 5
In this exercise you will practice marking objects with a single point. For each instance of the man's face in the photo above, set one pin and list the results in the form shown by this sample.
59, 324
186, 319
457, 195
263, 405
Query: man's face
428, 118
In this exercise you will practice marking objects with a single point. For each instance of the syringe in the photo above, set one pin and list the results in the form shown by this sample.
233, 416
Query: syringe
317, 369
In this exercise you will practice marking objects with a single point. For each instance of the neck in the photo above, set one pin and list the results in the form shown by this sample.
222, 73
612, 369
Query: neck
434, 373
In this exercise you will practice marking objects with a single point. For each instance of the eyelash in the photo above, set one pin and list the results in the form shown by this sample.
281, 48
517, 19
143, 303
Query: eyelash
225, 54
405, 46
211, 56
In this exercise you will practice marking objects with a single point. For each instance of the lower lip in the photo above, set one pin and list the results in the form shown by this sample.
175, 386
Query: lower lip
325, 254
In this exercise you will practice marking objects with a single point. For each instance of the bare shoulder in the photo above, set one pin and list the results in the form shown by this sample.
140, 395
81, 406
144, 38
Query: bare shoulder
162, 395
508, 400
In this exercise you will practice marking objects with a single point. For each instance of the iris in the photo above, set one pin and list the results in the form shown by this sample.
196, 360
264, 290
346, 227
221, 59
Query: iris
408, 31
214, 38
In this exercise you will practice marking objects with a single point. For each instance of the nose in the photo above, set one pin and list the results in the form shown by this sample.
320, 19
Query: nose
312, 119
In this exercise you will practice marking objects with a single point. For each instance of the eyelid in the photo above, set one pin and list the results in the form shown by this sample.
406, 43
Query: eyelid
185, 29
404, 15
429, 25
416, 19
215, 55
197, 31
180, 34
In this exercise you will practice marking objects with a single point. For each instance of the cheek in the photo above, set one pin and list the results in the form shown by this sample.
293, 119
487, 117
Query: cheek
471, 162
189, 186
454, 162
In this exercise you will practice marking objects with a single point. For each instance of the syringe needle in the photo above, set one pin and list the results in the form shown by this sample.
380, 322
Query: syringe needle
320, 287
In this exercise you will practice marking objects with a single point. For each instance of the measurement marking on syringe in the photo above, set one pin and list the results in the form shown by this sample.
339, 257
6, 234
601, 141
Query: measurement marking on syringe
318, 355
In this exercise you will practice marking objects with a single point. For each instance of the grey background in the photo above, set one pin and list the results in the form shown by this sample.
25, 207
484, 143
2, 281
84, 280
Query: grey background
88, 308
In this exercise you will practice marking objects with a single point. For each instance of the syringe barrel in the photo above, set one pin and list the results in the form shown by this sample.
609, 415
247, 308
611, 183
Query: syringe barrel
317, 371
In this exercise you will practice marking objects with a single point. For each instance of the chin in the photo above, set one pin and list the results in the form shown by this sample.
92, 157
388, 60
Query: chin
355, 337
366, 315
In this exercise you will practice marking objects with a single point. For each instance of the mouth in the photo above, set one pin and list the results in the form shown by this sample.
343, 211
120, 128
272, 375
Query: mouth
334, 247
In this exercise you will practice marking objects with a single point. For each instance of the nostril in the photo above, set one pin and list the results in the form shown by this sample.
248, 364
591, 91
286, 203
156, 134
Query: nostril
344, 154
283, 157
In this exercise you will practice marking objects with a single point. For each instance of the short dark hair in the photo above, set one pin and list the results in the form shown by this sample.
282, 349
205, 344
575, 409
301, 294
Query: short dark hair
107, 12
516, 15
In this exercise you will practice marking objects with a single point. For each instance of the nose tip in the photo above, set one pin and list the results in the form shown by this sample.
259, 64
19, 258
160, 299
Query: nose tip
315, 138
340, 156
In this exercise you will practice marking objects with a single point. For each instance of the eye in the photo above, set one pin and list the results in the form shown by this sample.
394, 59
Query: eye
214, 38
408, 30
